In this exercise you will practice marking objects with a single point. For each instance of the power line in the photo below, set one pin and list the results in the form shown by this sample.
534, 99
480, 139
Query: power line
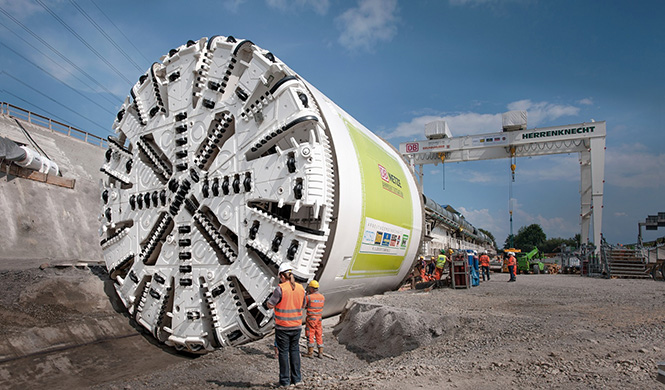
58, 64
120, 31
55, 101
37, 37
65, 84
101, 30
92, 49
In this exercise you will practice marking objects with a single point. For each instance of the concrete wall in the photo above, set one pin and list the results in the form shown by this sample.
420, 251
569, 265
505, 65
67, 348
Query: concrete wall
40, 222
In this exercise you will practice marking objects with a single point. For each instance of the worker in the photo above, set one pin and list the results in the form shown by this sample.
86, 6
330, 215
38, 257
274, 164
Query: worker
440, 263
288, 300
512, 267
485, 265
313, 330
417, 273
430, 268
422, 269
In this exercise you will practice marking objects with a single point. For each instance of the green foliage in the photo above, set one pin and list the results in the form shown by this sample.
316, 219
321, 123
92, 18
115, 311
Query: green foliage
506, 244
532, 236
529, 237
553, 245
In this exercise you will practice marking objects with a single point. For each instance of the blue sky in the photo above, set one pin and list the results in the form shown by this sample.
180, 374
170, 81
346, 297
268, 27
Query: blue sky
395, 65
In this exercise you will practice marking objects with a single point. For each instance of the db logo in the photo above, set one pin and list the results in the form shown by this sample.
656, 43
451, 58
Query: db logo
412, 147
384, 174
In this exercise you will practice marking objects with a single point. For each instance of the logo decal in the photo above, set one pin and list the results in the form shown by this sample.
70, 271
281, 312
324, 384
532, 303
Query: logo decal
412, 147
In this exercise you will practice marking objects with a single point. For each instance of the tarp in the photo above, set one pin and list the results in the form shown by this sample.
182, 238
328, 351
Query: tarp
10, 150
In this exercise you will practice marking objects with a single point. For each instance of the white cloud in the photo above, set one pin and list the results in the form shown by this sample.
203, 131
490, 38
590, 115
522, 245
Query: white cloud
633, 166
320, 6
468, 123
543, 111
586, 101
553, 227
497, 223
373, 21
483, 219
22, 9
620, 214
459, 124
550, 169
233, 5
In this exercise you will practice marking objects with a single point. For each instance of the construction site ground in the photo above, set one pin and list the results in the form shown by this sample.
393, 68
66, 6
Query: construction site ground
61, 330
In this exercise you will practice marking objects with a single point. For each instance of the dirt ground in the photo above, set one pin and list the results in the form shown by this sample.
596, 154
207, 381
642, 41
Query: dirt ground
542, 332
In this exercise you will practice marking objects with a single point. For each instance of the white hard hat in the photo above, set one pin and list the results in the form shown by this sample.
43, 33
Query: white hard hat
285, 267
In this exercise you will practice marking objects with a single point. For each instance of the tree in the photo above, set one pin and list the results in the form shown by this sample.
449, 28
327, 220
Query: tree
529, 237
552, 245
506, 244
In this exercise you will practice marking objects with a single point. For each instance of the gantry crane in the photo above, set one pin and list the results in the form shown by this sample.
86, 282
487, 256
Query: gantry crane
587, 139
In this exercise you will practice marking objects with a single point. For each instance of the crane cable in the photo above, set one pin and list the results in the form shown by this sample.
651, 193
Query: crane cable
513, 165
442, 156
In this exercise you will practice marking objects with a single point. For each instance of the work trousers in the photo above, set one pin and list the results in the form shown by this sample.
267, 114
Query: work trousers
289, 356
512, 270
314, 332
485, 269
438, 273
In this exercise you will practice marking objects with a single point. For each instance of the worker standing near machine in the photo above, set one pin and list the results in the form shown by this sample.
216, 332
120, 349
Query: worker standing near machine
440, 263
422, 269
313, 329
288, 300
431, 266
512, 267
485, 265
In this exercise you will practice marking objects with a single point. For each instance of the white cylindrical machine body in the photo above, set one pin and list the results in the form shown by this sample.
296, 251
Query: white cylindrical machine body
228, 165
379, 217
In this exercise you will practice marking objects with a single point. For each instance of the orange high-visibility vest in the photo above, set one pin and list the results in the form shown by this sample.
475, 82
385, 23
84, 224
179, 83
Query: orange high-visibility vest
314, 305
288, 312
512, 261
484, 260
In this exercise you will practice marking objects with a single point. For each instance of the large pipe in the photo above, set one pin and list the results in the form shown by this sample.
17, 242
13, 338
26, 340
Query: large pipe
33, 160
227, 164
26, 157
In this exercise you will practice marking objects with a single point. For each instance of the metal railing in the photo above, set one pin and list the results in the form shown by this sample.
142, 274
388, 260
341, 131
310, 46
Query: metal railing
51, 124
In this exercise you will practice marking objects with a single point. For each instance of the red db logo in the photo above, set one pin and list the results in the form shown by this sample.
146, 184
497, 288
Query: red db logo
384, 174
412, 147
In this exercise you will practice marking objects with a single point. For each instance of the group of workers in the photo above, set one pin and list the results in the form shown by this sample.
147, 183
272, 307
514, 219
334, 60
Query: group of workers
433, 269
289, 300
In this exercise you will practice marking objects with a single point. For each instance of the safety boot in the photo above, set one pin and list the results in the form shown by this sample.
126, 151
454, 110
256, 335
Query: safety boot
310, 352
320, 353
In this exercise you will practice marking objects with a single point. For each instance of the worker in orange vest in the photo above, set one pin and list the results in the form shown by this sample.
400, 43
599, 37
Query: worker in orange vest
422, 268
485, 265
512, 267
288, 300
313, 330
